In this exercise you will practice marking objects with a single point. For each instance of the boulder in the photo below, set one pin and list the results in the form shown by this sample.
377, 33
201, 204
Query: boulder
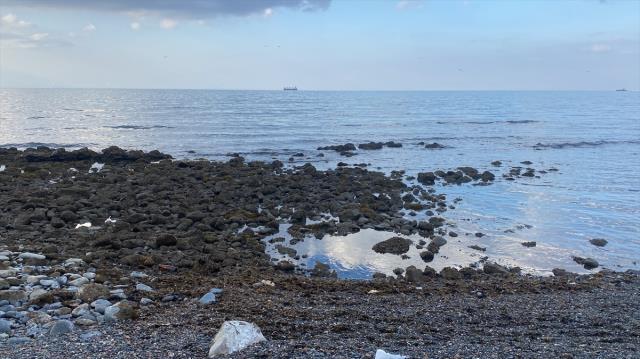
587, 263
93, 291
233, 336
61, 327
599, 242
393, 245
120, 311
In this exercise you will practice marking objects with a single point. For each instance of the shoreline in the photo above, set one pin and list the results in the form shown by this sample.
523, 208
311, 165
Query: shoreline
194, 225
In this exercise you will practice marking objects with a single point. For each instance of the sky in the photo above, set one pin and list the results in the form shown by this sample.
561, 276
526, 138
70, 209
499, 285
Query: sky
321, 44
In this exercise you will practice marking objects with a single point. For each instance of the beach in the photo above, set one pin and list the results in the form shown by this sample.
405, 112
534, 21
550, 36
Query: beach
151, 235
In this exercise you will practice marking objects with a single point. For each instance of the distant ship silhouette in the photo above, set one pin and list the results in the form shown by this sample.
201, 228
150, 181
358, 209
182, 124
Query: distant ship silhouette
621, 90
290, 88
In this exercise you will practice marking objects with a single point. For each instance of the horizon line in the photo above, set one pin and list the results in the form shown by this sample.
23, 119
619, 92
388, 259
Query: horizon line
316, 90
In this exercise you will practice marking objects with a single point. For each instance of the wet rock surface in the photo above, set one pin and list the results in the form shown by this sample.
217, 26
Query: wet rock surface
117, 259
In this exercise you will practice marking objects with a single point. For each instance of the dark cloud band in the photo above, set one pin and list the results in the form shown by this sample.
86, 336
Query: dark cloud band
196, 9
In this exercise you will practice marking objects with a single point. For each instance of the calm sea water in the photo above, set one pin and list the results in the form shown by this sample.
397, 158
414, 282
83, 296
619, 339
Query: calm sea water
593, 138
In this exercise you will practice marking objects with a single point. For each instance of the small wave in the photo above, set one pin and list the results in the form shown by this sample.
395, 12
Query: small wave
47, 144
136, 127
541, 146
36, 117
512, 122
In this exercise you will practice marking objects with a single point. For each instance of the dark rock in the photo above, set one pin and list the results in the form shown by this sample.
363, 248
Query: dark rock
587, 263
434, 145
529, 244
166, 240
427, 178
371, 146
450, 273
426, 256
599, 242
494, 268
413, 275
286, 266
393, 245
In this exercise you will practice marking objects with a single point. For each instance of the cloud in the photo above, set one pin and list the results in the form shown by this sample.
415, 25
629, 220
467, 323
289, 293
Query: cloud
18, 33
598, 48
168, 24
135, 26
408, 4
177, 9
11, 20
89, 28
267, 12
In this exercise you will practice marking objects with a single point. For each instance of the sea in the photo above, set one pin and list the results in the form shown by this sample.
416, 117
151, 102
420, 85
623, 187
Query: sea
592, 139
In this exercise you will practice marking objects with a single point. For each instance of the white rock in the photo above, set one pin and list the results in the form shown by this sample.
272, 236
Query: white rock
135, 274
143, 288
100, 305
33, 279
3, 258
233, 336
145, 301
381, 354
28, 255
79, 282
208, 298
5, 273
81, 310
89, 275
73, 262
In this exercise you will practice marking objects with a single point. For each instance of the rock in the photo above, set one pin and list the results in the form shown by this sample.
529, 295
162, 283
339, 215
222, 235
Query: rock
208, 298
61, 327
82, 309
434, 145
599, 242
6, 273
15, 297
450, 273
587, 263
371, 146
145, 301
529, 244
323, 270
143, 288
559, 272
79, 282
40, 296
100, 305
427, 256
427, 178
493, 268
166, 240
28, 255
496, 163
286, 266
487, 176
93, 291
139, 275
478, 248
398, 271
381, 354
5, 327
120, 311
234, 336
4, 284
413, 275
393, 245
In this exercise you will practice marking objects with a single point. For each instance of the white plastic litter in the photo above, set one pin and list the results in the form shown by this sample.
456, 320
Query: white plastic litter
109, 220
381, 354
86, 224
2, 168
235, 335
96, 167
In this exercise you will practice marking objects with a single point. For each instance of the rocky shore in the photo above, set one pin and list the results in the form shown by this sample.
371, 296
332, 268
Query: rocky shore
127, 254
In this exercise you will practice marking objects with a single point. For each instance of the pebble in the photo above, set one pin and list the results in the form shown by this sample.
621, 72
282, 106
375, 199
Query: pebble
5, 326
18, 341
79, 282
143, 288
208, 298
100, 305
90, 334
145, 301
140, 275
